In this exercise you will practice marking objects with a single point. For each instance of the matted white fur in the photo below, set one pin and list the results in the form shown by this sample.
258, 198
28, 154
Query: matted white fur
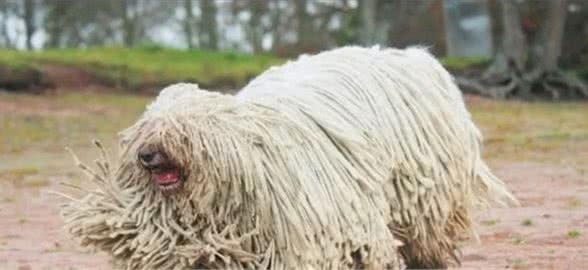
328, 162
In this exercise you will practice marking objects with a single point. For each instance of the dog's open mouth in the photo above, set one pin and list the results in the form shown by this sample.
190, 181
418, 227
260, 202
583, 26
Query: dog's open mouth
167, 179
164, 173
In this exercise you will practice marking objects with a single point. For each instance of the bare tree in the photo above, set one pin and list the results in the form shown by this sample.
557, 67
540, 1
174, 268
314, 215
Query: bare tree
29, 20
128, 18
553, 35
368, 21
380, 20
528, 67
7, 8
54, 22
70, 23
257, 9
575, 43
276, 25
311, 23
139, 17
374, 30
208, 25
303, 26
188, 23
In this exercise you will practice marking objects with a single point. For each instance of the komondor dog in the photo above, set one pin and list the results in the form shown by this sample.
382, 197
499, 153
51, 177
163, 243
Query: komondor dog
352, 158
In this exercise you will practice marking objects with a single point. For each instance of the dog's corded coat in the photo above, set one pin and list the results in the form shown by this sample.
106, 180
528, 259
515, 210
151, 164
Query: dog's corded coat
350, 158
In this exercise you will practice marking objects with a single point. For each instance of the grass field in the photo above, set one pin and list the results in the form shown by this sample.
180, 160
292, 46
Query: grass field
131, 69
146, 65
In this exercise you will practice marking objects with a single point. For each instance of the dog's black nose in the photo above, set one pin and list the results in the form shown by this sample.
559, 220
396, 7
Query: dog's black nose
146, 156
150, 156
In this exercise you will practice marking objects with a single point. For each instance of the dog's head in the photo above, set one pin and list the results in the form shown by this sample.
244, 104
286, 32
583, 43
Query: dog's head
190, 139
160, 144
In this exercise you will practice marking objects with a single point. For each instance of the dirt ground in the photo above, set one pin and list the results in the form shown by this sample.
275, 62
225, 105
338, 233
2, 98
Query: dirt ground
547, 172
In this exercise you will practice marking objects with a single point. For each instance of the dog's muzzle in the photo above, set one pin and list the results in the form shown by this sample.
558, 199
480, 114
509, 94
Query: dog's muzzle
165, 174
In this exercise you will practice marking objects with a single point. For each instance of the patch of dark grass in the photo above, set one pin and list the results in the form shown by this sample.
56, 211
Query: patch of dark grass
573, 203
87, 116
574, 234
518, 263
527, 222
489, 222
518, 240
18, 173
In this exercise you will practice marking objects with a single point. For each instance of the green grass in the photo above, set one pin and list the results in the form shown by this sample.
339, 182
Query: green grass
66, 120
19, 173
14, 59
573, 203
132, 67
574, 234
536, 131
527, 222
461, 63
518, 263
489, 222
28, 176
518, 240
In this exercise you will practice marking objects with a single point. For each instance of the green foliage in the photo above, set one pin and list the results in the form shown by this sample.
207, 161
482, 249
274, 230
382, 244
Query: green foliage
583, 73
151, 63
348, 34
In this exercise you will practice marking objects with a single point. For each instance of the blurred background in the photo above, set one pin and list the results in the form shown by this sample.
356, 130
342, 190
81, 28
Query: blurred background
73, 70
138, 40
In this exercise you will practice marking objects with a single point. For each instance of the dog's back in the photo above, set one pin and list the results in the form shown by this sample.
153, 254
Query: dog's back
403, 109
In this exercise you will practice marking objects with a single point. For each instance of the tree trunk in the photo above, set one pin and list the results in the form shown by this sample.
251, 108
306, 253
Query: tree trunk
518, 70
208, 27
256, 9
29, 19
514, 41
276, 26
128, 22
368, 21
188, 21
54, 22
553, 35
303, 26
4, 10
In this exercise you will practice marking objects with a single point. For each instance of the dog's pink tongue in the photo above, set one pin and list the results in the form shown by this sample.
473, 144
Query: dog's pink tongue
166, 177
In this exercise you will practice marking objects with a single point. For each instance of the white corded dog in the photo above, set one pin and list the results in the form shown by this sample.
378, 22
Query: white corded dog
352, 158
